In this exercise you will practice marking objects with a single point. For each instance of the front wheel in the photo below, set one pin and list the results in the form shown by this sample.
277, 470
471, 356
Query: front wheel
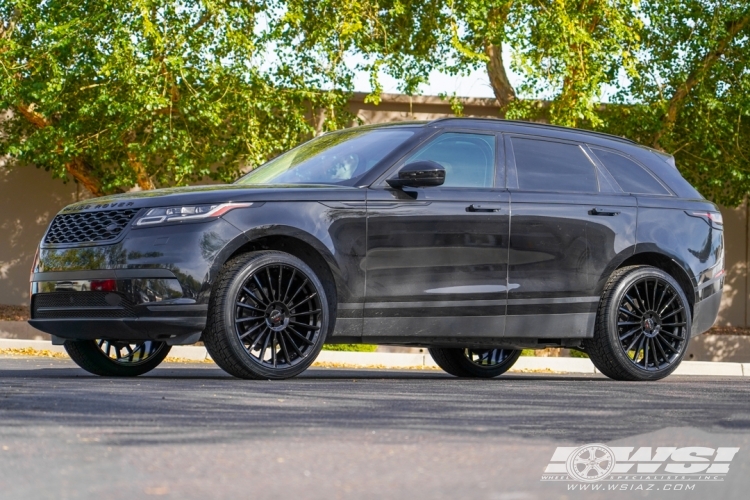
268, 316
114, 358
642, 327
475, 363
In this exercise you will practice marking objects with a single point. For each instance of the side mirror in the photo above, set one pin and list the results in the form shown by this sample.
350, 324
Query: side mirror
423, 173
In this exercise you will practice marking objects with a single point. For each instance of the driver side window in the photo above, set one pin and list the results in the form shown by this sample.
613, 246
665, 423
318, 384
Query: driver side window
468, 159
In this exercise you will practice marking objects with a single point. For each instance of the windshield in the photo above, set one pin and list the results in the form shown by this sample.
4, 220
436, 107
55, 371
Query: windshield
335, 158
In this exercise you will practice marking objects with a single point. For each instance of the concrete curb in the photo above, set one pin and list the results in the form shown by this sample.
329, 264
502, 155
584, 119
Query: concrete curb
384, 359
421, 361
723, 348
562, 365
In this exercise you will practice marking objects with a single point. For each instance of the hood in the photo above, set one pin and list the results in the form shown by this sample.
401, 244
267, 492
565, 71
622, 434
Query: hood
217, 193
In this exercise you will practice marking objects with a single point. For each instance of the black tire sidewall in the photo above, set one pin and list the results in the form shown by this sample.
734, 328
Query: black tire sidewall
613, 339
254, 262
455, 362
88, 355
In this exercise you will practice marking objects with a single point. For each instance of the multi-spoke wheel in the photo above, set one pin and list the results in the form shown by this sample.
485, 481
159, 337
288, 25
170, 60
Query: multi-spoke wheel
480, 363
268, 316
117, 358
643, 325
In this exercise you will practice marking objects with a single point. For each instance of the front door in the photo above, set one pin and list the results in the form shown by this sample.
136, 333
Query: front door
436, 263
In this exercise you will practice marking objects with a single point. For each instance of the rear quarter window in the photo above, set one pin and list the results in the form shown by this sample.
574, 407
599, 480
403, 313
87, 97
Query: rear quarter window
631, 177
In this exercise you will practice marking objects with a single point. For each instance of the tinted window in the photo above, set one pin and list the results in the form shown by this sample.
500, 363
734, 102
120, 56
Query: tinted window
469, 159
553, 166
335, 158
631, 177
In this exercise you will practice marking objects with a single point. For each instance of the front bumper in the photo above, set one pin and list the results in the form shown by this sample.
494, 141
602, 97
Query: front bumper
154, 284
173, 330
124, 304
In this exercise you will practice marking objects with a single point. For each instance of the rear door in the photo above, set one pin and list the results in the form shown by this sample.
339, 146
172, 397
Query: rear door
570, 226
437, 257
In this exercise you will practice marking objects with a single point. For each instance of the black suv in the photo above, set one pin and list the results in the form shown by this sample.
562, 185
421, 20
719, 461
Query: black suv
472, 237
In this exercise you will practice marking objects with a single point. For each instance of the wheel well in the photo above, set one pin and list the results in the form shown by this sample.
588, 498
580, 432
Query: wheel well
667, 265
303, 251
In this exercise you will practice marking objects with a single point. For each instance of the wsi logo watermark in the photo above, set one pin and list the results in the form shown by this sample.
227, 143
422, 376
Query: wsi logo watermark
597, 462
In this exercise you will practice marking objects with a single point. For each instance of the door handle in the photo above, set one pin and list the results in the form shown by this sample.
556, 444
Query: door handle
600, 211
484, 208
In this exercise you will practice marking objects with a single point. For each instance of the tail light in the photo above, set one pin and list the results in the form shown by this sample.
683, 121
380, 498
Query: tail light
713, 219
103, 285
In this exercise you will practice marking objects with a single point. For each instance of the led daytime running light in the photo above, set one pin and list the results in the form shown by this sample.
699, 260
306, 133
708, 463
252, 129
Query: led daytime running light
214, 212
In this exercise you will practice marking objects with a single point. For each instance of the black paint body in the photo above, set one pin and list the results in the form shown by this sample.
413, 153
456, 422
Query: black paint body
435, 266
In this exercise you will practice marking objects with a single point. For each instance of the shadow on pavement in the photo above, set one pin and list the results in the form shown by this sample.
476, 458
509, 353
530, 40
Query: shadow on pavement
199, 403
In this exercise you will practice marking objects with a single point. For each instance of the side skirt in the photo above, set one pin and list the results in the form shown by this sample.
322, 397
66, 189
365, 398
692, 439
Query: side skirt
541, 326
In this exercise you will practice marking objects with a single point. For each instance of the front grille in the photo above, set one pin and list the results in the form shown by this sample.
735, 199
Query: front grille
89, 227
92, 304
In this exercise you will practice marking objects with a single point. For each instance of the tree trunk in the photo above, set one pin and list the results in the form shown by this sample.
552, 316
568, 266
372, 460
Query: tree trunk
695, 77
81, 172
77, 168
504, 92
141, 175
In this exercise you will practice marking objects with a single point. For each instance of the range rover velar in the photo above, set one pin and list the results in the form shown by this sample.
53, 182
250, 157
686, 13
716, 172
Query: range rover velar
475, 238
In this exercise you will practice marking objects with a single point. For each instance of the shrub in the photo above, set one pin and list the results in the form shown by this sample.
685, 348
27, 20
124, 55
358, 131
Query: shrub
578, 354
350, 347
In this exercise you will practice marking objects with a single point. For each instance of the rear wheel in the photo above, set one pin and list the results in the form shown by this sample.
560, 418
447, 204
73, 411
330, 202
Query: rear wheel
267, 317
476, 363
114, 358
642, 327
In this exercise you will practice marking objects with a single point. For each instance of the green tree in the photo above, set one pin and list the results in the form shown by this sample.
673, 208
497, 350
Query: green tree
160, 93
691, 97
118, 93
565, 50
676, 70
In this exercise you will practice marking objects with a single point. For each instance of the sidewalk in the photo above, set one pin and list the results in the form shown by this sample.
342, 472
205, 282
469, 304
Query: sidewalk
424, 361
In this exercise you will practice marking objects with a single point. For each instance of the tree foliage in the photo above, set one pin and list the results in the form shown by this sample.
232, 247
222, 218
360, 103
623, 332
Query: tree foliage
117, 93
166, 92
676, 72
691, 97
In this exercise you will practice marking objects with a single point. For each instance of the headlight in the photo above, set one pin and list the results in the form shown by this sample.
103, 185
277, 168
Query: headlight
187, 213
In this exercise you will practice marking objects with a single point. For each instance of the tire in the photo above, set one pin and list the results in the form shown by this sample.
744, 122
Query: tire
474, 363
111, 358
643, 325
248, 313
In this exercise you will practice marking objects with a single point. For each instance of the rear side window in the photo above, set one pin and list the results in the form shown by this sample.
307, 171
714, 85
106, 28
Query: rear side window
631, 177
553, 166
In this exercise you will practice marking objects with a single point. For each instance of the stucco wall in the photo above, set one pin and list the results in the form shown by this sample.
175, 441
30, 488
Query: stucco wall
396, 107
29, 198
735, 305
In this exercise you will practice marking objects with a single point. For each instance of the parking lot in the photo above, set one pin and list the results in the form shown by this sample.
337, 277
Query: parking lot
190, 431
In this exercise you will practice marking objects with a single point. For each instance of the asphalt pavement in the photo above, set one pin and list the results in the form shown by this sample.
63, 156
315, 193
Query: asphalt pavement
190, 431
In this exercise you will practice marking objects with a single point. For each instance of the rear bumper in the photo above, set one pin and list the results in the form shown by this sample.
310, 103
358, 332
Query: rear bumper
707, 303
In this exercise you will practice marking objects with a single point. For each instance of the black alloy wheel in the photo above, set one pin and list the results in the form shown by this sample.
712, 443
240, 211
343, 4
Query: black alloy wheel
473, 362
268, 316
117, 358
643, 325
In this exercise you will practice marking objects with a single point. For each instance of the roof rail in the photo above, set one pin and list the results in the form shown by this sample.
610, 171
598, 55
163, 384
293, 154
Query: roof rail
539, 125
